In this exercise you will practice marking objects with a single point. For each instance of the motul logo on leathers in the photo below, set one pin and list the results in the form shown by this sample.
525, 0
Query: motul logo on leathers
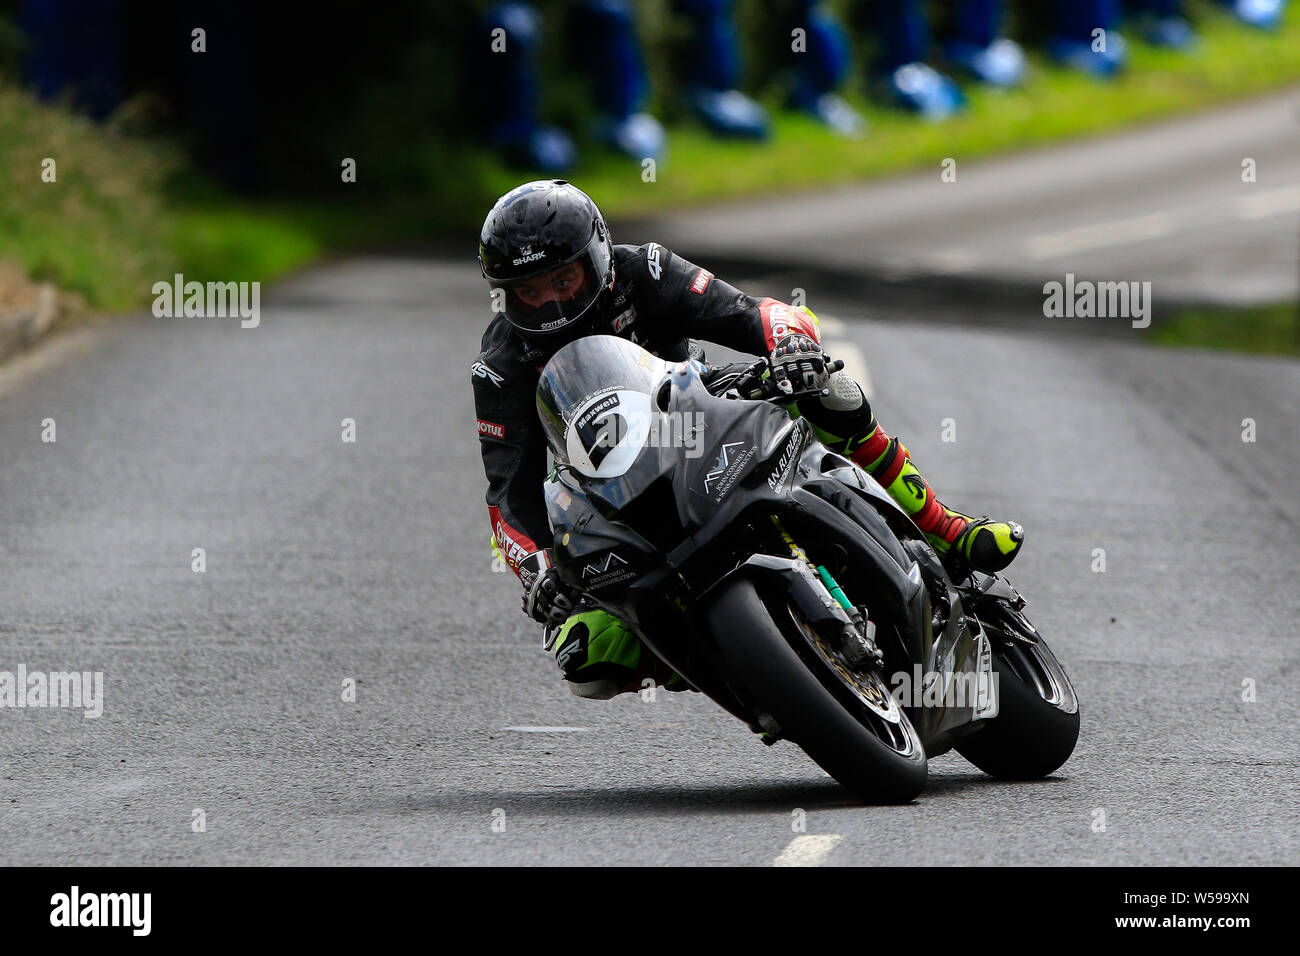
513, 550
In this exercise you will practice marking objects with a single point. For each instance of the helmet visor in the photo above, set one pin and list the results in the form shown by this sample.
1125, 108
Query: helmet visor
549, 302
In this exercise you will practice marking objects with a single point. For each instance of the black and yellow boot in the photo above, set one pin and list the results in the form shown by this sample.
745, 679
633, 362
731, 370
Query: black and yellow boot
982, 543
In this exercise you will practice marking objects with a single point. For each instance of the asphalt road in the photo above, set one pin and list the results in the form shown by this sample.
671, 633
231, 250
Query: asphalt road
1165, 204
328, 561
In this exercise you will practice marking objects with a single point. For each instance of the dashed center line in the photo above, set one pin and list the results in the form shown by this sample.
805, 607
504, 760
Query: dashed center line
855, 362
1118, 232
546, 730
1273, 202
953, 261
809, 850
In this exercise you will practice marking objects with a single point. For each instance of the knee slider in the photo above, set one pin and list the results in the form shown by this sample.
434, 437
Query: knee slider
846, 394
843, 418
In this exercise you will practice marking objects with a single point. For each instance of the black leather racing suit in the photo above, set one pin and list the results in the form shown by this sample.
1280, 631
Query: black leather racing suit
659, 301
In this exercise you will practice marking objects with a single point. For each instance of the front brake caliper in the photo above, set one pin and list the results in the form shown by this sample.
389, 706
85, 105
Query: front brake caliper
856, 631
859, 642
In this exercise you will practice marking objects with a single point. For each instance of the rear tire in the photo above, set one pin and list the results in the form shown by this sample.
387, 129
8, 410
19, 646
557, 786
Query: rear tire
772, 669
1037, 724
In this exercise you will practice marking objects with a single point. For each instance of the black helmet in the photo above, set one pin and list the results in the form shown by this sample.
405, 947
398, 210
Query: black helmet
531, 233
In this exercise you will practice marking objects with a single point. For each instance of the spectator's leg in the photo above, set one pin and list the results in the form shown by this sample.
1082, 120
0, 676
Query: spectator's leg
1162, 8
75, 47
1076, 41
821, 67
903, 35
1265, 14
977, 47
620, 84
902, 31
511, 38
1161, 23
713, 70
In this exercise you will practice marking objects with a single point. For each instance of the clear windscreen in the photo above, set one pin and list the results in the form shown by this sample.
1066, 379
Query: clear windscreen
595, 402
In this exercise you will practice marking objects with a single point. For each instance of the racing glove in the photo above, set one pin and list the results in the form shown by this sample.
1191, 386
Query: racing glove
798, 364
547, 599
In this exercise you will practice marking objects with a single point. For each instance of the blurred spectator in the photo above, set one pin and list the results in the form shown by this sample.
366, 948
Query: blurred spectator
978, 47
974, 43
903, 36
1162, 23
1265, 14
511, 87
75, 49
820, 65
1085, 36
713, 70
612, 54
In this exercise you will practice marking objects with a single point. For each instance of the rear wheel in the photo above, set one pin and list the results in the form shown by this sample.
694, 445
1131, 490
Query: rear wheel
842, 717
1037, 724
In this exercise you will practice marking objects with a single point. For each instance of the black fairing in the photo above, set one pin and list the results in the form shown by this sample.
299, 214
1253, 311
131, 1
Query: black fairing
649, 544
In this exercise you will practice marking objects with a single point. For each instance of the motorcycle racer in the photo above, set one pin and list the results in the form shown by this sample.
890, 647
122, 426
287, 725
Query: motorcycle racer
556, 275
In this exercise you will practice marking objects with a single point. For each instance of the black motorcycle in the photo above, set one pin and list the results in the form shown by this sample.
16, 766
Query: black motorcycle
779, 579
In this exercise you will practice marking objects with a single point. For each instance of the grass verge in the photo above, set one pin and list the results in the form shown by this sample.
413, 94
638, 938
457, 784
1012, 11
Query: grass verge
112, 225
1271, 329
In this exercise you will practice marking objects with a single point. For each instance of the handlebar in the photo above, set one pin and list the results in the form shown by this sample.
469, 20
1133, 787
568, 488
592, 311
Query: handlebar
749, 382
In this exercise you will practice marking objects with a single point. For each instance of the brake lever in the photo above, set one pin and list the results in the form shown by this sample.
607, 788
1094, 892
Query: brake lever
741, 380
769, 390
749, 385
782, 398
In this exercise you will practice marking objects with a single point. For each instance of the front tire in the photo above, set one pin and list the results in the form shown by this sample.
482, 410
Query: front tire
773, 667
1037, 724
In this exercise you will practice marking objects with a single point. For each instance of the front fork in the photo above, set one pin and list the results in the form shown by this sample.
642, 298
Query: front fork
855, 632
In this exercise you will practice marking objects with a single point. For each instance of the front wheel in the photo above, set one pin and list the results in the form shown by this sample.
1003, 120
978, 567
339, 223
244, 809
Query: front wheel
1037, 724
844, 719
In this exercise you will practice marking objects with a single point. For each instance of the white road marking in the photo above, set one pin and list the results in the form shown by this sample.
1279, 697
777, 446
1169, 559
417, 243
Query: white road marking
855, 362
1273, 202
1117, 232
809, 850
547, 730
952, 261
896, 267
837, 347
